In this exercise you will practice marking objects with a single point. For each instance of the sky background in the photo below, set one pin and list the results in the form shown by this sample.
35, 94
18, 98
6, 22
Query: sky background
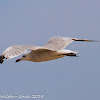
34, 22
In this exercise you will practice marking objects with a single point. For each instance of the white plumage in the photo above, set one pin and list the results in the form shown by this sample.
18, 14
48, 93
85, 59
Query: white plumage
52, 50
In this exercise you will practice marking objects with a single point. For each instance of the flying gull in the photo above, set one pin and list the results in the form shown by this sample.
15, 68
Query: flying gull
53, 49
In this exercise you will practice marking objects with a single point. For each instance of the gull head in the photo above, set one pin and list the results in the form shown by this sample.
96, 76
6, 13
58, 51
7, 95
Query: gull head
24, 57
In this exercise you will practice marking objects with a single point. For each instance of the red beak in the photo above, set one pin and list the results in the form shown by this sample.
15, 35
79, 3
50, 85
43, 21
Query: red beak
18, 60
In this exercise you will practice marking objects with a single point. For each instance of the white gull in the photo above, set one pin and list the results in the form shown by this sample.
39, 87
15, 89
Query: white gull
54, 49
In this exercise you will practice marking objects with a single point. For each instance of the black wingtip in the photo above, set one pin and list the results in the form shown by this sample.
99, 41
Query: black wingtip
86, 40
71, 54
1, 59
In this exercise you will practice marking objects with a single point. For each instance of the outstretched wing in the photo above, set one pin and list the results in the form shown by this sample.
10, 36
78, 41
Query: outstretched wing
17, 50
58, 43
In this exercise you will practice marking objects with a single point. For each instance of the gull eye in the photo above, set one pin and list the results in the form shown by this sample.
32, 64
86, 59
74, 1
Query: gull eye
23, 55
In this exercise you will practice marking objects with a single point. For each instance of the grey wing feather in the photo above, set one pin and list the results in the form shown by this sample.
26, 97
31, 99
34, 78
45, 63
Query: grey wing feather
57, 43
17, 50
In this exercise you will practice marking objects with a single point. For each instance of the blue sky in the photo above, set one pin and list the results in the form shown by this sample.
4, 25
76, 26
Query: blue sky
34, 22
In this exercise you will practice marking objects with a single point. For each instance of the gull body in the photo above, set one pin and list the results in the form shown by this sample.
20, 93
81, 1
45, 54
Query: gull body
53, 49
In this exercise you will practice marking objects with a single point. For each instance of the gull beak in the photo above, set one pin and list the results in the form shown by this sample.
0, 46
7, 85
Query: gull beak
18, 60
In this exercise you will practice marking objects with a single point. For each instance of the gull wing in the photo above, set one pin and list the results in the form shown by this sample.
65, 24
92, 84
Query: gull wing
17, 50
58, 43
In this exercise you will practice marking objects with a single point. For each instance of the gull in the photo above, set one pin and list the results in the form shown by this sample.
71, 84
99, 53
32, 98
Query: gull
53, 49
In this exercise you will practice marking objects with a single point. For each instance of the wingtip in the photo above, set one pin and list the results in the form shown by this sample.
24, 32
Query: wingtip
2, 59
86, 40
96, 40
1, 62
